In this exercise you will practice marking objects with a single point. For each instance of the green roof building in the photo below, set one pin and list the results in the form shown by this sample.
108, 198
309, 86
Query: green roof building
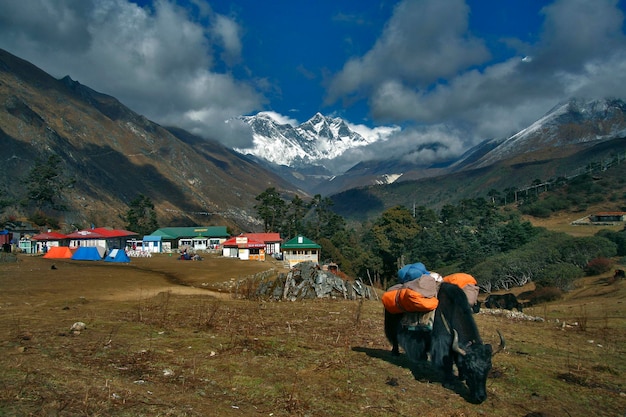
192, 238
300, 249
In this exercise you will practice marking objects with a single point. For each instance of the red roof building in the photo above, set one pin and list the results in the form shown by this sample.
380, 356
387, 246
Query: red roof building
103, 237
244, 247
272, 241
50, 236
43, 241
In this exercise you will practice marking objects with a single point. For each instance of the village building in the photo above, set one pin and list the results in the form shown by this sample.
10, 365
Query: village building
152, 244
17, 234
197, 238
103, 238
244, 248
272, 241
608, 217
145, 246
5, 240
300, 249
41, 242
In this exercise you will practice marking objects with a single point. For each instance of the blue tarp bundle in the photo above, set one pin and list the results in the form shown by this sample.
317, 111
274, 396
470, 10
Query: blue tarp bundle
411, 272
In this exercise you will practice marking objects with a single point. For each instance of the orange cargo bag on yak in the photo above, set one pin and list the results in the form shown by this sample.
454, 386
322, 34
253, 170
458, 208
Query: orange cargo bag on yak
401, 298
467, 283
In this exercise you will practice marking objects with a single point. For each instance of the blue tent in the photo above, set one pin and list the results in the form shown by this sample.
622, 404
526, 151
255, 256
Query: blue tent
117, 255
87, 253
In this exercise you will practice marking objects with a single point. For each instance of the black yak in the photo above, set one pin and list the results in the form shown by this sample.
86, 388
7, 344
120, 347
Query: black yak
454, 339
506, 301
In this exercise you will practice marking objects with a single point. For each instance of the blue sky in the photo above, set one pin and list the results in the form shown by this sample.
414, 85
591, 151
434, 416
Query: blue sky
448, 71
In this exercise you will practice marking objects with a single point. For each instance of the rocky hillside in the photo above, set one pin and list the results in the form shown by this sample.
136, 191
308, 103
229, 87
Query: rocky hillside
544, 166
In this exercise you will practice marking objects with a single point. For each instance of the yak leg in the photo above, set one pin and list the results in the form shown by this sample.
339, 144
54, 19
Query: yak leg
392, 325
416, 343
449, 379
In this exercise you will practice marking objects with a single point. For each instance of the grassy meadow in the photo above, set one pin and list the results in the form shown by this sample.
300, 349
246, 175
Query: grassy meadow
165, 337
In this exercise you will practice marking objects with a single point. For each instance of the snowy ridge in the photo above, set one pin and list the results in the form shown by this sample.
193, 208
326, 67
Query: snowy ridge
538, 125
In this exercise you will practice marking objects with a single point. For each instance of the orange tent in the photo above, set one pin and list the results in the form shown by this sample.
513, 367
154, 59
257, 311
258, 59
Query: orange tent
58, 252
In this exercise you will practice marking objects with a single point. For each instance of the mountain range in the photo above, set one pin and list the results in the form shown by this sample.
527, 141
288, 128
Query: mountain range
567, 141
115, 154
302, 154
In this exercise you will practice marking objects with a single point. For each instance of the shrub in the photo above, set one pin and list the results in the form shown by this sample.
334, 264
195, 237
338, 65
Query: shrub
544, 295
40, 218
598, 266
536, 210
560, 275
545, 207
619, 238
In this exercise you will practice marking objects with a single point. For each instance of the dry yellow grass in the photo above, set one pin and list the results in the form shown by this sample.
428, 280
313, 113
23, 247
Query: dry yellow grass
158, 342
562, 222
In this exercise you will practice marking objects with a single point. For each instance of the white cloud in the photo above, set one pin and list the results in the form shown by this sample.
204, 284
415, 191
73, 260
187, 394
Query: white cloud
577, 31
599, 78
379, 133
422, 42
228, 33
423, 145
427, 70
158, 61
280, 119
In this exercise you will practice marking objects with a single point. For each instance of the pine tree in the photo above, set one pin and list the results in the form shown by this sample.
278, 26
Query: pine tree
141, 216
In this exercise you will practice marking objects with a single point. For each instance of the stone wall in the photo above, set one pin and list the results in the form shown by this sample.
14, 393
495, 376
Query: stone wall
307, 281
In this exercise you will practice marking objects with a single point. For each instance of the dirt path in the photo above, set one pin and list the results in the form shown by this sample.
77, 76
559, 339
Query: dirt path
142, 293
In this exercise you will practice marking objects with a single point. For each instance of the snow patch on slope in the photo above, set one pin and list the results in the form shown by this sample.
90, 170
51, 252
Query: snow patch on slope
387, 179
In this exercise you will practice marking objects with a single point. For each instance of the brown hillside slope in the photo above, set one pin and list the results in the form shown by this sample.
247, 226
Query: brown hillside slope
115, 154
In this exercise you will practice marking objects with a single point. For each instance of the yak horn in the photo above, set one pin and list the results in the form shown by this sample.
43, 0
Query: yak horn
502, 344
455, 344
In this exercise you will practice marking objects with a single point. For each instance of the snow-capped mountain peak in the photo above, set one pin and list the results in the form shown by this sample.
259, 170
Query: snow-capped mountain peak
319, 138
